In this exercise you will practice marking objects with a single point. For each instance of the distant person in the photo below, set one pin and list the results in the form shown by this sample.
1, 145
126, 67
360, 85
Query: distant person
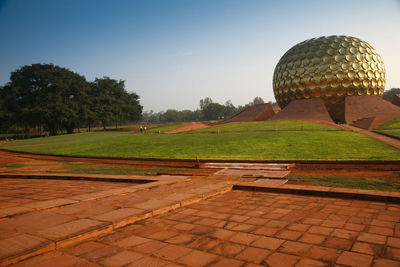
141, 129
145, 129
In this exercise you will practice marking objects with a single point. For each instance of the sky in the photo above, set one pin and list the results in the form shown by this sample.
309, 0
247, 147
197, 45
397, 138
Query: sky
173, 53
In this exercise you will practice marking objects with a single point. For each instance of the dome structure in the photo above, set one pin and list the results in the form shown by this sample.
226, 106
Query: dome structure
329, 68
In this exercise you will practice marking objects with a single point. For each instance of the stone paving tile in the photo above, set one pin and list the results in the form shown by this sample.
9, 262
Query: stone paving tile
30, 189
68, 221
20, 244
255, 229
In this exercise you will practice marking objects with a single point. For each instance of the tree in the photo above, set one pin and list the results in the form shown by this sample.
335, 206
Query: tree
112, 103
6, 116
257, 100
230, 109
204, 102
389, 95
44, 94
213, 111
172, 115
58, 99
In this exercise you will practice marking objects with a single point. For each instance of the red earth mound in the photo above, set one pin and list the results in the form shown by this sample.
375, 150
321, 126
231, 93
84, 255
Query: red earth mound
312, 110
259, 112
367, 112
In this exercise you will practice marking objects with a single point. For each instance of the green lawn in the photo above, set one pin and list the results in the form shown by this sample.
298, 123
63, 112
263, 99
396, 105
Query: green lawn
252, 144
267, 127
392, 124
383, 184
391, 127
393, 132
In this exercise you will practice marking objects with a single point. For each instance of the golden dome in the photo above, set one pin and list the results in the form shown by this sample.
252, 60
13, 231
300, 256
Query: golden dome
330, 68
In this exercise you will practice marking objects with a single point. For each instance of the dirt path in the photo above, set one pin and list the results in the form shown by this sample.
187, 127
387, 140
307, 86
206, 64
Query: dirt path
381, 138
189, 127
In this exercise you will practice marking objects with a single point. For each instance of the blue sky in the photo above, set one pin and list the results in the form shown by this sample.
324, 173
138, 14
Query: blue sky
175, 52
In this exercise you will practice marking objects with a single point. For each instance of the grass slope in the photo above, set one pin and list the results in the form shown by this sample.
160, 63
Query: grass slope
267, 127
391, 127
392, 124
252, 144
383, 184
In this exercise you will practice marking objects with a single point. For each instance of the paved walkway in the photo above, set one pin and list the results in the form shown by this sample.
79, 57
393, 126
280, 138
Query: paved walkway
35, 226
380, 137
210, 220
242, 228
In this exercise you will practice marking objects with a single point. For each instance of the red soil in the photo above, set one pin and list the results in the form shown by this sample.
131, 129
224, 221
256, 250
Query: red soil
312, 110
259, 112
188, 127
367, 112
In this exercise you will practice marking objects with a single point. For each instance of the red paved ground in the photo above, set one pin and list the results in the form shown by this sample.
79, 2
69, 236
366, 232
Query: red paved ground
15, 192
248, 229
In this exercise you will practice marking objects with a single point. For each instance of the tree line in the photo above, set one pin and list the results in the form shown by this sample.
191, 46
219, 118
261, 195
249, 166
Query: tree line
56, 99
389, 94
208, 110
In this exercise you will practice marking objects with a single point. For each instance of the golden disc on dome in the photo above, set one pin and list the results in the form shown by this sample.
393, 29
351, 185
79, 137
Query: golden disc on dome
353, 50
334, 45
329, 76
341, 75
326, 60
346, 83
323, 68
344, 44
334, 67
330, 52
351, 91
356, 83
351, 74
338, 58
361, 91
344, 66
355, 65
